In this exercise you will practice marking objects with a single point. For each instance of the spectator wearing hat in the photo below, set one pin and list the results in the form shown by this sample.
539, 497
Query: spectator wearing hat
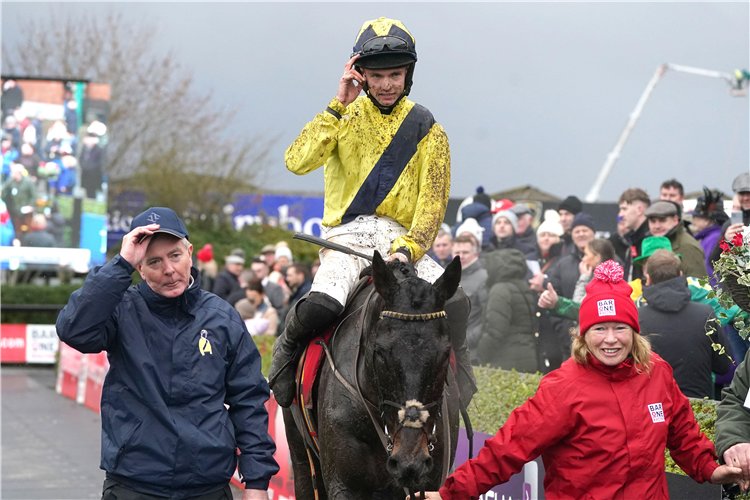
741, 188
548, 236
602, 422
268, 253
473, 281
677, 327
525, 233
507, 337
19, 195
185, 389
633, 204
207, 266
664, 220
227, 281
504, 227
441, 248
708, 218
568, 209
12, 129
480, 210
471, 228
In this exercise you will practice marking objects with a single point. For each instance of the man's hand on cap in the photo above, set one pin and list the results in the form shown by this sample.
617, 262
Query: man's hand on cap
135, 243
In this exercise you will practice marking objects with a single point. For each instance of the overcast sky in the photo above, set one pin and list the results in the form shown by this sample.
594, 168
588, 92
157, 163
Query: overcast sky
529, 93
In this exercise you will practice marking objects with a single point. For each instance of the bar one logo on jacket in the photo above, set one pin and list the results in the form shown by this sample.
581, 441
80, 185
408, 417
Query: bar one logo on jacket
606, 307
657, 412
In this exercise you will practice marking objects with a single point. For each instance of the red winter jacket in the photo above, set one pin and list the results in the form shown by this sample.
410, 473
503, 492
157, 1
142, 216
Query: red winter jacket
601, 433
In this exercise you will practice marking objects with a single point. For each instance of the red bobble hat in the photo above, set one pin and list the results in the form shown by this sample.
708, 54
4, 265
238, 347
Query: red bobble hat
608, 299
206, 253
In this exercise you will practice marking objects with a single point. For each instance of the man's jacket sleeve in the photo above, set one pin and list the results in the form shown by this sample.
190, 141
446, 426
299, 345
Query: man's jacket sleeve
246, 394
434, 189
88, 322
317, 141
733, 417
530, 429
689, 447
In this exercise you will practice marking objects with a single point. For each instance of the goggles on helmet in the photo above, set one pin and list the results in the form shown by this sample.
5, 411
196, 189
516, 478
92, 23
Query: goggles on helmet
380, 44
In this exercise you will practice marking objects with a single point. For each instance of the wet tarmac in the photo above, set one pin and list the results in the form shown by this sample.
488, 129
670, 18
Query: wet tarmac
50, 444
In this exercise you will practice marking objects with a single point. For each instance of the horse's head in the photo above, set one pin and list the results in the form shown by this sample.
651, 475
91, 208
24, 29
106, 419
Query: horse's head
410, 360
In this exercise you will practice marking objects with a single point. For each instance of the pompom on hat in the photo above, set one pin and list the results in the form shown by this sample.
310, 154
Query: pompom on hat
608, 299
206, 253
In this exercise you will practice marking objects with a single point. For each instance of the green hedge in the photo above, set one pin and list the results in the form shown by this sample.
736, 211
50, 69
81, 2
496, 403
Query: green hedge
35, 294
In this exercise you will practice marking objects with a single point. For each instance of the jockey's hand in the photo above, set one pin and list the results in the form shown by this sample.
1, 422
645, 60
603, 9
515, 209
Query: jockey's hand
350, 84
398, 256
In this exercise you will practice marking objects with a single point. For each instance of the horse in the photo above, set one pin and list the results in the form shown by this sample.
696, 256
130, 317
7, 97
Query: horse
386, 401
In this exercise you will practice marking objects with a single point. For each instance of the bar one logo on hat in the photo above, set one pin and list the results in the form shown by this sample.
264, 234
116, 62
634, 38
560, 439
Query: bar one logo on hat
606, 307
153, 217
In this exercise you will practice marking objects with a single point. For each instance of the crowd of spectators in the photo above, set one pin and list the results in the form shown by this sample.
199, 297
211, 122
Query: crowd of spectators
263, 291
526, 284
44, 159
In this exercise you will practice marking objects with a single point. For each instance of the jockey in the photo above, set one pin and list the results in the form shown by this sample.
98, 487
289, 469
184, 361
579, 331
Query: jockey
387, 180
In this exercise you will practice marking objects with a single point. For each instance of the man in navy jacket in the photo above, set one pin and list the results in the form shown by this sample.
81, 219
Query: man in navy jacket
177, 355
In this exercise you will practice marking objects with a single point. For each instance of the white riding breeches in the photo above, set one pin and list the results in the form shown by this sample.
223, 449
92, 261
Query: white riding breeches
339, 272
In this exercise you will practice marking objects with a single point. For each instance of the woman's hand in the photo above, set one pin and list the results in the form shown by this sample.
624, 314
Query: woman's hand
725, 474
584, 268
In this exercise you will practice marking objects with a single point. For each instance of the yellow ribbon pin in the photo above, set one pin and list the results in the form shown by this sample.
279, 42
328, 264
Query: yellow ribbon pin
204, 346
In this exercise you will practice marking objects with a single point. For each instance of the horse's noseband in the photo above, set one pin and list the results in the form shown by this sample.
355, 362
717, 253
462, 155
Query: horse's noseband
414, 414
412, 317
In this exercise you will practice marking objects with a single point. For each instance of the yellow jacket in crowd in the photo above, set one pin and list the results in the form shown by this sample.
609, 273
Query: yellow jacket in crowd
364, 151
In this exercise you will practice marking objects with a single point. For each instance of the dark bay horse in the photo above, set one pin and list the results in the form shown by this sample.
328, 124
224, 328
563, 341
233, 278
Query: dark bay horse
387, 422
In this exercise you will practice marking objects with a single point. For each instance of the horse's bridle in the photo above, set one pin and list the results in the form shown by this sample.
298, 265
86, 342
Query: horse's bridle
413, 413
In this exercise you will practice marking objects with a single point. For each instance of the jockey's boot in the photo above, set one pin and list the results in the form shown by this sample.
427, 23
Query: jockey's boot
314, 311
457, 309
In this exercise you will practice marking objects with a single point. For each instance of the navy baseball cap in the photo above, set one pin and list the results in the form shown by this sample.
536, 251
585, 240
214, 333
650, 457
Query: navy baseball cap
169, 222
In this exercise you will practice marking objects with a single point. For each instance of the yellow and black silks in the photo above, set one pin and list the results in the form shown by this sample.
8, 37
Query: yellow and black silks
395, 165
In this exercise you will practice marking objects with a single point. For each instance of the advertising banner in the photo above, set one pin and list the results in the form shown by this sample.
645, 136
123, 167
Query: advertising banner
28, 344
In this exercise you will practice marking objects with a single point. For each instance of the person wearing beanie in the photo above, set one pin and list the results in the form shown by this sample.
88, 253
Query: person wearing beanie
227, 281
207, 267
602, 421
471, 228
568, 209
504, 226
479, 210
548, 236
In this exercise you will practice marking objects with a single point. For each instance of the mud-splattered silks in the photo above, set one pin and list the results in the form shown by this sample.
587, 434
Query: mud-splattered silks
391, 164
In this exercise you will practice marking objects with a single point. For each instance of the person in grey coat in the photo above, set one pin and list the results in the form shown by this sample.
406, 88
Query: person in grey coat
473, 281
508, 339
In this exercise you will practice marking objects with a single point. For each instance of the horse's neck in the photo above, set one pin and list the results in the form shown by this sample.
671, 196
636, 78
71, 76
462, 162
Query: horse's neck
367, 345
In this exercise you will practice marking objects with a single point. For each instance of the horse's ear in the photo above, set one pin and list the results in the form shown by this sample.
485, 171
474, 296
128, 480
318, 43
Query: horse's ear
447, 284
383, 278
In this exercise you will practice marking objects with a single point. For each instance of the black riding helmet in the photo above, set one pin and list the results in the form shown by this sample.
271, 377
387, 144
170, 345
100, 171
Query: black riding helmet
382, 44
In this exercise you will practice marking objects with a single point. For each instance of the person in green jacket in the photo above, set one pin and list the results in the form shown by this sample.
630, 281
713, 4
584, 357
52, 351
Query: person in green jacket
507, 339
19, 195
733, 423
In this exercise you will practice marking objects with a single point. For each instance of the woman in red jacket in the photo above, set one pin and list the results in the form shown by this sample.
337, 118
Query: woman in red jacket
602, 420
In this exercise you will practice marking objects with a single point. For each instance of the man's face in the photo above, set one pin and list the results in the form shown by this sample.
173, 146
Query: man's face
259, 269
269, 258
386, 85
254, 297
234, 268
631, 214
166, 266
293, 278
660, 226
26, 149
442, 247
16, 175
524, 221
466, 252
744, 199
566, 219
671, 194
502, 228
581, 236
